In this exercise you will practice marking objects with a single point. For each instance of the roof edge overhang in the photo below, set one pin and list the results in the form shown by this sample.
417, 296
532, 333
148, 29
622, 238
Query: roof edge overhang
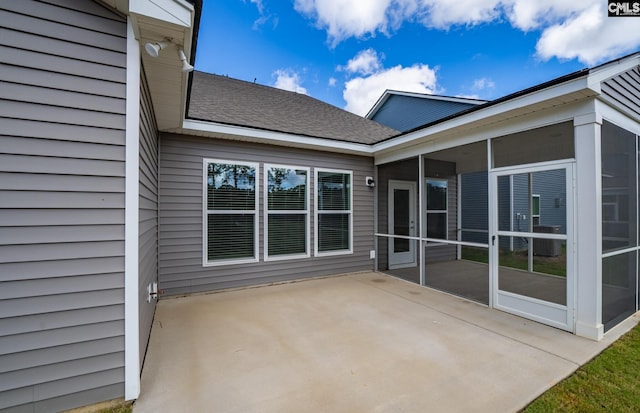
249, 134
573, 90
175, 21
575, 86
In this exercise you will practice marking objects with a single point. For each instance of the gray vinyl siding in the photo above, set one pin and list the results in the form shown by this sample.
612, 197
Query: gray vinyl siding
404, 113
475, 206
181, 215
62, 117
148, 214
623, 91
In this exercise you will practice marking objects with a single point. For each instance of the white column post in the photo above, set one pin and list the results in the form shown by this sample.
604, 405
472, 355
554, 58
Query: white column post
588, 224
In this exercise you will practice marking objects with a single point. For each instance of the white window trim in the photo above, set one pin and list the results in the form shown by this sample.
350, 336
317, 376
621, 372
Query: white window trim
438, 211
317, 212
205, 214
266, 213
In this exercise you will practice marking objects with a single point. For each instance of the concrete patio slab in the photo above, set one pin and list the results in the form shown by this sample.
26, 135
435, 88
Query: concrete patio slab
363, 342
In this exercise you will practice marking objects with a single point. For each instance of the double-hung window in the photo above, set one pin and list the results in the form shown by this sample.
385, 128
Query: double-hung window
333, 220
286, 212
436, 208
231, 212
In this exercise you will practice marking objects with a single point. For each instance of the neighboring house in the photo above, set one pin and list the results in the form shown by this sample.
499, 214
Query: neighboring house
407, 110
124, 177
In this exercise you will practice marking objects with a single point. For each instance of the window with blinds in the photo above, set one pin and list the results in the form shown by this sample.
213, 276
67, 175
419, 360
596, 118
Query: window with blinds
334, 226
231, 227
286, 212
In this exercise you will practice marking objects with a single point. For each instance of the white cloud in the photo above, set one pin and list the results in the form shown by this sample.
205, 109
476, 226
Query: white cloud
333, 81
289, 80
591, 37
346, 18
483, 83
442, 14
365, 63
361, 93
561, 22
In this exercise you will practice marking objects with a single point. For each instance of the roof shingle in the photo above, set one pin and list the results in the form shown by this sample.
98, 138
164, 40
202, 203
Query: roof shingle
230, 101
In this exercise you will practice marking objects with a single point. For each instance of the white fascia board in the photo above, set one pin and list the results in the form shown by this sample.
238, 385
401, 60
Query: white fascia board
178, 12
376, 107
599, 75
275, 138
530, 99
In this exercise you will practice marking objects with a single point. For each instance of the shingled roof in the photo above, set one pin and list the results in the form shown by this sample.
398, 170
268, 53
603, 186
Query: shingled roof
230, 101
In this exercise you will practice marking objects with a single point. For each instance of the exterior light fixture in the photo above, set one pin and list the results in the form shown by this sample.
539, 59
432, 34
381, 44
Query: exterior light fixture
186, 67
153, 49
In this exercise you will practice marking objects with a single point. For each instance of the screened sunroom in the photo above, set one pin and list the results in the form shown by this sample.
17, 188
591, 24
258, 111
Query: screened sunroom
528, 205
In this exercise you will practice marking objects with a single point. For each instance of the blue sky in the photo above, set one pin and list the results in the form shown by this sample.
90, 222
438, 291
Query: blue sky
347, 52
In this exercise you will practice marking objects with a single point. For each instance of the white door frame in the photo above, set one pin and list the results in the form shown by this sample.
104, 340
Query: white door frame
408, 258
560, 316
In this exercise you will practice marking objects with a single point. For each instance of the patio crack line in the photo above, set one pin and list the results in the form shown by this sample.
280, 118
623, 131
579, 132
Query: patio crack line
473, 324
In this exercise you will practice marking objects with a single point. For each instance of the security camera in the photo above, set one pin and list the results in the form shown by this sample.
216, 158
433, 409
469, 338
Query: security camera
369, 181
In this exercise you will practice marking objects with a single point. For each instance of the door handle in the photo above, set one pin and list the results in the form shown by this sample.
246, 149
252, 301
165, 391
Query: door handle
493, 240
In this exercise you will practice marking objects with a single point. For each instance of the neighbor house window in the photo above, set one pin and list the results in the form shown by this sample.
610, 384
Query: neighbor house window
436, 208
333, 212
231, 212
535, 209
286, 212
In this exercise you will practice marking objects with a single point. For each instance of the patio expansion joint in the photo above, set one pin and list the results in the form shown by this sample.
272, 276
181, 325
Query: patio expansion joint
482, 327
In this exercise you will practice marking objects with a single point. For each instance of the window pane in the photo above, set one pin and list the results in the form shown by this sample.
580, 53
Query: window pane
287, 189
231, 186
334, 191
333, 232
436, 195
230, 236
437, 225
535, 205
618, 188
287, 234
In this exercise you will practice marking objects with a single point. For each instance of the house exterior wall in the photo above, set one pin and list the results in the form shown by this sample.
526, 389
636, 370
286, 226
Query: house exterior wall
404, 113
623, 91
181, 215
475, 206
62, 117
148, 213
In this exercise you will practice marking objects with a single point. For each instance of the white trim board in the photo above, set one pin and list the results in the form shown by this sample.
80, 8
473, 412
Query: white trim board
132, 182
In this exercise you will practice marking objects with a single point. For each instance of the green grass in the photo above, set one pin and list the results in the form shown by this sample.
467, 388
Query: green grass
520, 260
609, 383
